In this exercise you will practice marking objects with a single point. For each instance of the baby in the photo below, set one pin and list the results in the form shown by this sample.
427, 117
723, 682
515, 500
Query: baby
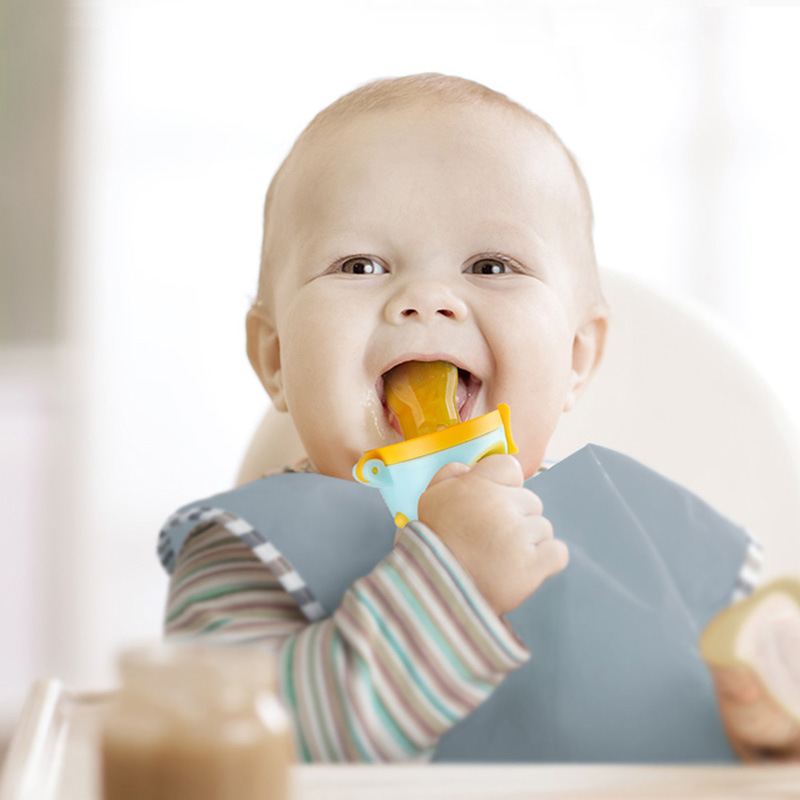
420, 219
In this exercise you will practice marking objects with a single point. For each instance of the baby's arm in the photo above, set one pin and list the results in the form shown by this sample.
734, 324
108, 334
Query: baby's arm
413, 648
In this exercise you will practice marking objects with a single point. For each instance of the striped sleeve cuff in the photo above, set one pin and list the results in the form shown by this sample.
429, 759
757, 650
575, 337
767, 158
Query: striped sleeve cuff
751, 571
220, 589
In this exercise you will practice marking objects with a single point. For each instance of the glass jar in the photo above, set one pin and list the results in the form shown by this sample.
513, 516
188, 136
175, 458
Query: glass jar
196, 722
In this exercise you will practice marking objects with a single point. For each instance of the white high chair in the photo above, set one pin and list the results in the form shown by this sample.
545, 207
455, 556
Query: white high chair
675, 393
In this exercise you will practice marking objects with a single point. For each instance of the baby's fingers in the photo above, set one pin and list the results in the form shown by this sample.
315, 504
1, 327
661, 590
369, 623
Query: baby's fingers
451, 470
756, 725
529, 503
502, 469
737, 684
544, 555
552, 556
549, 558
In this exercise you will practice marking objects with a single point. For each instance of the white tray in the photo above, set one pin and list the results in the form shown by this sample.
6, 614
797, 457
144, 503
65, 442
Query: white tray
52, 756
52, 753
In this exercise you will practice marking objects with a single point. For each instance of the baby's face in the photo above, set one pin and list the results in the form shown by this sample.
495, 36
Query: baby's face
413, 234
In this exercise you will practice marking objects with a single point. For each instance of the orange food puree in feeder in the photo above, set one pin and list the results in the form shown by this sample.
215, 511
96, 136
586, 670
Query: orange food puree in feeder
422, 395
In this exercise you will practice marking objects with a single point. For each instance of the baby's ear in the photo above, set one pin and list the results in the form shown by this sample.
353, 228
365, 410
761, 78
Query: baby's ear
264, 352
587, 352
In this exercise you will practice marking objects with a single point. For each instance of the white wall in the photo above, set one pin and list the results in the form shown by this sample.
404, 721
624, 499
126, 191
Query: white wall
683, 118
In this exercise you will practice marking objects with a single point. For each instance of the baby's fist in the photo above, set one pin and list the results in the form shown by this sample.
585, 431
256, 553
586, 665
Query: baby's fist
495, 527
758, 728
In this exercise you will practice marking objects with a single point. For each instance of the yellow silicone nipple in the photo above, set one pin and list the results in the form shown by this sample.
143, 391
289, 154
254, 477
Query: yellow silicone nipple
422, 395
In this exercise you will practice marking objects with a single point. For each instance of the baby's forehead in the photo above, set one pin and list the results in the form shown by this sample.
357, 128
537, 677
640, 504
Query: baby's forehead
474, 134
425, 117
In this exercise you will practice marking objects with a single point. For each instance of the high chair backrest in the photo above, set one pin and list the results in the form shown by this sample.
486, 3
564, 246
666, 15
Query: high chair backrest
676, 393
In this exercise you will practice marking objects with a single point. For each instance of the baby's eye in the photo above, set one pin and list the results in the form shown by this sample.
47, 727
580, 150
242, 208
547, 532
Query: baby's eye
489, 266
362, 265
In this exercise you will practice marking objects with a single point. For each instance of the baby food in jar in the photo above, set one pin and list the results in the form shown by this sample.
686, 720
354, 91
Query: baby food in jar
196, 722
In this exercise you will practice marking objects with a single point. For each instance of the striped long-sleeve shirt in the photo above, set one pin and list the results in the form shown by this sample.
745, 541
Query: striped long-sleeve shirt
413, 648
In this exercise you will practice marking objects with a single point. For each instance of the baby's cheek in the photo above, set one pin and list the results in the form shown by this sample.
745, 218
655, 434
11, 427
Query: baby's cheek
530, 460
377, 430
532, 428
337, 429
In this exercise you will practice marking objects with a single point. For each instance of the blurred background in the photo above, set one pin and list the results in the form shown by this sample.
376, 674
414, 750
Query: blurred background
137, 138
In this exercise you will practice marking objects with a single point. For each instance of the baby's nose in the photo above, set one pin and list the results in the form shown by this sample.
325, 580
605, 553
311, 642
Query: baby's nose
425, 301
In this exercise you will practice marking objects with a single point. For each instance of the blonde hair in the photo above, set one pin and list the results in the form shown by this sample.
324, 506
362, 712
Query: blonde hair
430, 88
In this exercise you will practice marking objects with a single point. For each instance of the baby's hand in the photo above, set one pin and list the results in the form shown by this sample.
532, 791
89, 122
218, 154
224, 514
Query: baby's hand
757, 727
495, 527
752, 649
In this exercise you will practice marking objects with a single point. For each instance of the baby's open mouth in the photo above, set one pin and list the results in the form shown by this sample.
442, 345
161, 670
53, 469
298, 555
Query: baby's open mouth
438, 396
